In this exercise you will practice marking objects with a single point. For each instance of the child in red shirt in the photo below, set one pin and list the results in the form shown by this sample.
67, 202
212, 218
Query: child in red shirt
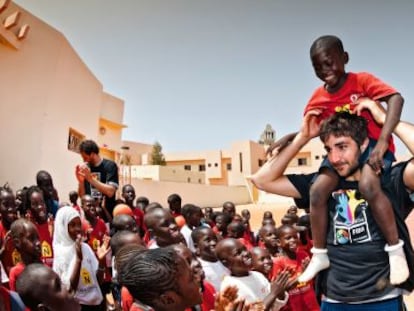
128, 194
8, 253
38, 215
26, 240
301, 297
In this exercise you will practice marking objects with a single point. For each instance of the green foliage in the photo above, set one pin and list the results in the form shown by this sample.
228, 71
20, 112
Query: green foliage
157, 157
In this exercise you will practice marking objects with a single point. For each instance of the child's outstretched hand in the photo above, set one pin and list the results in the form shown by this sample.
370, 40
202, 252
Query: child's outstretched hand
375, 108
310, 125
225, 300
279, 285
103, 248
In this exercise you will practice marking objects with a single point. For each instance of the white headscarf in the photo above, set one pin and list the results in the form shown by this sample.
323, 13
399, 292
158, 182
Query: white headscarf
63, 245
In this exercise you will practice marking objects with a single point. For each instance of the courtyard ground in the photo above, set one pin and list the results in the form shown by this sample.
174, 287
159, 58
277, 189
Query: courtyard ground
278, 210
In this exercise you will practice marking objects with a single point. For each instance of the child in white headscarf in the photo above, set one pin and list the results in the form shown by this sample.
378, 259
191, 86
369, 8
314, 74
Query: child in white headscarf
75, 262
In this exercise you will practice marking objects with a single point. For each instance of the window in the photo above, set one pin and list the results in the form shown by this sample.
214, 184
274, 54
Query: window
187, 167
215, 164
188, 179
209, 165
228, 166
74, 140
261, 162
302, 161
241, 162
317, 157
201, 167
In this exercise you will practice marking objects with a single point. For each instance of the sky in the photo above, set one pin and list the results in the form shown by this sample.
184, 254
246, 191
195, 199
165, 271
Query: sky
200, 74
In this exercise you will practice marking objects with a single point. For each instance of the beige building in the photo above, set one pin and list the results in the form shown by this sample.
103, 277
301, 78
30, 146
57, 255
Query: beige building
50, 101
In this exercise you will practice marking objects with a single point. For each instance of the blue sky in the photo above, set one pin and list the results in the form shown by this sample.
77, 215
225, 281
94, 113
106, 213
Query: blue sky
200, 74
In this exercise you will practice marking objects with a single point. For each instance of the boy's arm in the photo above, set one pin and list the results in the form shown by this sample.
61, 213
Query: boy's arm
395, 103
403, 130
270, 177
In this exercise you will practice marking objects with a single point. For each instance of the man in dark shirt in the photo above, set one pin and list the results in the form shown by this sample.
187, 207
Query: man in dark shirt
97, 176
359, 259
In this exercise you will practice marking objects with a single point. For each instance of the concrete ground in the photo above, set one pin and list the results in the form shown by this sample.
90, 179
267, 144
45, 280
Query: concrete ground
278, 210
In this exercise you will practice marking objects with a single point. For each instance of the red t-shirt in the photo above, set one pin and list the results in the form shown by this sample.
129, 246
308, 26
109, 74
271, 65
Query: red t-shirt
46, 243
11, 255
138, 307
14, 274
302, 296
357, 85
208, 297
138, 215
127, 301
97, 234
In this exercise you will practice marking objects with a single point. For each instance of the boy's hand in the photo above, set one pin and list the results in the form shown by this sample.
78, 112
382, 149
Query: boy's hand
279, 285
280, 144
3, 242
103, 248
376, 160
310, 124
78, 247
225, 300
375, 108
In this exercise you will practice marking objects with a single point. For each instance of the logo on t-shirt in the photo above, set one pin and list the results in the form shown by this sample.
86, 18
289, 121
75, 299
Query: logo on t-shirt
46, 249
95, 193
350, 220
85, 277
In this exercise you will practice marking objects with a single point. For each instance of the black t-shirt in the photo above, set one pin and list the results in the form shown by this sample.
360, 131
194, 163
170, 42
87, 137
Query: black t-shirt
107, 173
359, 263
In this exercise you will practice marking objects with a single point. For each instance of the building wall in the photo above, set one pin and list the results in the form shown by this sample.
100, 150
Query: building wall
202, 195
46, 89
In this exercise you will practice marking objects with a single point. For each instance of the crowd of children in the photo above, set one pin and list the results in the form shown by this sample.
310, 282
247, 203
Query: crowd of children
148, 257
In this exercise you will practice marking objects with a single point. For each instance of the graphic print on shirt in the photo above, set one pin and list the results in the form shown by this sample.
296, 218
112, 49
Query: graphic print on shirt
350, 220
95, 193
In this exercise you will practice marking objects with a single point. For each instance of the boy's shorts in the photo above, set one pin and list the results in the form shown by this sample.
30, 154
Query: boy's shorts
389, 158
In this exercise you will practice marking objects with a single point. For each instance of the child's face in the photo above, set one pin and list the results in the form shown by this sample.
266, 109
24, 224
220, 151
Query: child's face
38, 207
198, 271
220, 224
129, 195
29, 244
88, 206
229, 209
239, 259
237, 218
262, 262
56, 296
206, 245
188, 290
46, 185
329, 65
208, 211
246, 215
194, 219
8, 207
166, 228
75, 228
268, 236
288, 240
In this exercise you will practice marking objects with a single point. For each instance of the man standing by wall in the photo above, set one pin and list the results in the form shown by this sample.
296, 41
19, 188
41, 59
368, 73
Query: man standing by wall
97, 176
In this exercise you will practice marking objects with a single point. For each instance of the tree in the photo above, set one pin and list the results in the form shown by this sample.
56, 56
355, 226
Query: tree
157, 157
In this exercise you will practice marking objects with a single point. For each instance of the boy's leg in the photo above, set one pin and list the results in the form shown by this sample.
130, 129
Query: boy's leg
382, 210
320, 192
